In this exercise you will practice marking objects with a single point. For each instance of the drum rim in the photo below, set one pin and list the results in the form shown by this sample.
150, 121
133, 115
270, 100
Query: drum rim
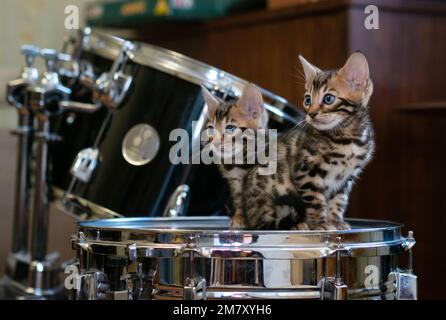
239, 244
89, 224
177, 64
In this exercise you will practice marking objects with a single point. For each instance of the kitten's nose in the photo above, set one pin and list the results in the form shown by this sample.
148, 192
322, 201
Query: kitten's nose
312, 114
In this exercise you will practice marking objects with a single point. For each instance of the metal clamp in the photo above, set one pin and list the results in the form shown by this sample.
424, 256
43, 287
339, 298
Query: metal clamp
111, 87
335, 288
194, 289
30, 73
50, 79
404, 282
91, 285
87, 78
29, 76
85, 164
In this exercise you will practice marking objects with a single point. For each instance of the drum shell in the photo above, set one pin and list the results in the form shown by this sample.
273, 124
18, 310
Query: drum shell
286, 279
164, 102
259, 278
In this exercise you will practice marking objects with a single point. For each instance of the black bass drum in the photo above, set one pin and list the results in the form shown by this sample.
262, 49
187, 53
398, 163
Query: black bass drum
128, 171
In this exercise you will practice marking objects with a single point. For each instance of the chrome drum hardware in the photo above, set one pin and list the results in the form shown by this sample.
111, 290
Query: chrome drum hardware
30, 271
199, 258
84, 164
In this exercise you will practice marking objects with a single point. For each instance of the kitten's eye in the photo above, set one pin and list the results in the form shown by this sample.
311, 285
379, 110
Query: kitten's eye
329, 98
211, 129
307, 100
230, 129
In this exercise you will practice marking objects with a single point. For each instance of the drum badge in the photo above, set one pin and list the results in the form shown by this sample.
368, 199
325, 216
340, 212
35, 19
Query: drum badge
140, 144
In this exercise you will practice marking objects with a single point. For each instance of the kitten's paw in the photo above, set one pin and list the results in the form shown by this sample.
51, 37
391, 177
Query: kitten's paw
325, 226
237, 222
302, 226
342, 225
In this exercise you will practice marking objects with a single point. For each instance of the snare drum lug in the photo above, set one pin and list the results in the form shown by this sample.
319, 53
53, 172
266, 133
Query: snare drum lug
194, 289
92, 286
81, 242
404, 284
334, 289
132, 251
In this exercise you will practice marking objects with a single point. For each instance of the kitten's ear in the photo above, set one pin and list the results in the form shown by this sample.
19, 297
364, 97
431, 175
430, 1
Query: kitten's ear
251, 101
310, 70
211, 101
356, 71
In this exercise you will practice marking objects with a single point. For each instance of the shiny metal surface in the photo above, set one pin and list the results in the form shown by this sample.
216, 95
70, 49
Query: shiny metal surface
34, 277
210, 237
353, 264
16, 96
84, 164
22, 193
30, 270
405, 284
40, 217
178, 202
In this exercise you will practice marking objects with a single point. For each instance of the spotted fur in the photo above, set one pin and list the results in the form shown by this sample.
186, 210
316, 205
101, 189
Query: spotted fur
317, 164
245, 113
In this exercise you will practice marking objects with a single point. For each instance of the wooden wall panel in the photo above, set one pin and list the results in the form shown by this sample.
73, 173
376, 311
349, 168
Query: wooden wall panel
264, 53
404, 181
408, 65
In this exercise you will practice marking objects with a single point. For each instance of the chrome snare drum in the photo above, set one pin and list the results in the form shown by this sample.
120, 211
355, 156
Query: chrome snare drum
199, 258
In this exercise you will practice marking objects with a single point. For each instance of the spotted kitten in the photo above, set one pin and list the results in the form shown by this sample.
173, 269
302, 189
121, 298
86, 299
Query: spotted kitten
225, 121
317, 165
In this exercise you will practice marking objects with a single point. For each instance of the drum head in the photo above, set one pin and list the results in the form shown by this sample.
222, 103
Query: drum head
213, 224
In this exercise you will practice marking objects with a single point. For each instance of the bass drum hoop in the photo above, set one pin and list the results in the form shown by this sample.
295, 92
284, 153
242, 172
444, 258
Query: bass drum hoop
181, 66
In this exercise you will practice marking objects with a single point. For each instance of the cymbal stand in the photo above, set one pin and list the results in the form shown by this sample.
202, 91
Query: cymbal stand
32, 273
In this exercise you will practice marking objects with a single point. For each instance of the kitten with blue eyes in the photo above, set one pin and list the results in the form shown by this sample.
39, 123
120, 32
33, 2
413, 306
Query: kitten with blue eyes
226, 120
317, 165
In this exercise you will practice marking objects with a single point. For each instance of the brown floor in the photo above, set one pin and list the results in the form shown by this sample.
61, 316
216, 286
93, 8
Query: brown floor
61, 225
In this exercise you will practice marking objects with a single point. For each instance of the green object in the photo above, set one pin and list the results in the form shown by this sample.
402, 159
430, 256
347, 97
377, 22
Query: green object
130, 12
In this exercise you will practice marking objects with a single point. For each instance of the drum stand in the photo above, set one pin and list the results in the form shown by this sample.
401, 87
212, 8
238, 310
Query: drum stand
31, 273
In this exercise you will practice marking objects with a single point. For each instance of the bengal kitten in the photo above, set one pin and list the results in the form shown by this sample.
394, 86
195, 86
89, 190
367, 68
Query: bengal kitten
226, 119
317, 164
